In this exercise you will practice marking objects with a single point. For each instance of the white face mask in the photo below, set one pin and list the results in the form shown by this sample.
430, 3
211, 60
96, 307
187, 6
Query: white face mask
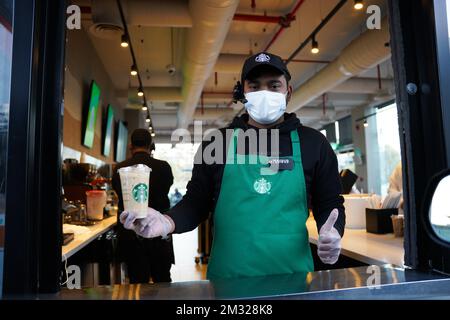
265, 106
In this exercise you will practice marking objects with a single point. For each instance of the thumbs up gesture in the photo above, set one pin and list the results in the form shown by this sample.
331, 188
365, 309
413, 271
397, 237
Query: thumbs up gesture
329, 245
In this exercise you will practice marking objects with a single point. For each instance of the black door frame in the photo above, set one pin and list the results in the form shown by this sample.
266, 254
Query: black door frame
414, 59
32, 254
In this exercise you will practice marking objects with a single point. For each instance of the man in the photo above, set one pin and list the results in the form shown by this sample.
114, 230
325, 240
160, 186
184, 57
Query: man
144, 257
259, 219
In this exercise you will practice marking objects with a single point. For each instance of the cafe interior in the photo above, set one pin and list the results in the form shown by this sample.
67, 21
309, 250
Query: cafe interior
171, 65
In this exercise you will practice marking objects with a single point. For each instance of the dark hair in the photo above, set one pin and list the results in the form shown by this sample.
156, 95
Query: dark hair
141, 138
264, 70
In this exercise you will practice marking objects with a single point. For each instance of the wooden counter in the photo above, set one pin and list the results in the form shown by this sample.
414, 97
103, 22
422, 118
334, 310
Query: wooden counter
84, 239
366, 247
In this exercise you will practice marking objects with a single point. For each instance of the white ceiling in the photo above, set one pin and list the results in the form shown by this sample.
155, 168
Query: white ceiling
155, 49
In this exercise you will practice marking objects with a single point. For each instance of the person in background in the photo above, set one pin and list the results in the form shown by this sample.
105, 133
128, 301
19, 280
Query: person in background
396, 184
260, 220
146, 258
395, 180
176, 197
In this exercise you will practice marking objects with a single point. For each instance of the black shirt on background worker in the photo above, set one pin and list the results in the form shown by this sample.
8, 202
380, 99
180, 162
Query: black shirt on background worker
146, 258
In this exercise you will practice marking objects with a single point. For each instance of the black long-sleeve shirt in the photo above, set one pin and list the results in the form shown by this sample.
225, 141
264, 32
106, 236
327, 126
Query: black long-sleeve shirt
323, 184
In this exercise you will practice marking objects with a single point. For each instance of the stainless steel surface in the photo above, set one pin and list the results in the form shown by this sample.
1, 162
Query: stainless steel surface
351, 283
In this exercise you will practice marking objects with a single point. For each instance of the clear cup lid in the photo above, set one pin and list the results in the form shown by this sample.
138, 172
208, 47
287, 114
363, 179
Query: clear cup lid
136, 168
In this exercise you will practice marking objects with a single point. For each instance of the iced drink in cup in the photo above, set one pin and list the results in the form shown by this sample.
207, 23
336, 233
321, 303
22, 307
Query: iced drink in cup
134, 181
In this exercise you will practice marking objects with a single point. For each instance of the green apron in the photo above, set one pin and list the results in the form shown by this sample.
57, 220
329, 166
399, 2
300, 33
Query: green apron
260, 220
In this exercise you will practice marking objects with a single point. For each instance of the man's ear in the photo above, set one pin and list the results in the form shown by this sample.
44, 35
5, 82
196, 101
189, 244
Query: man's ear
289, 94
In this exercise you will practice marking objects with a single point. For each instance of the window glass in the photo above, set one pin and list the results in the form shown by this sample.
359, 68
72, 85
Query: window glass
439, 213
383, 148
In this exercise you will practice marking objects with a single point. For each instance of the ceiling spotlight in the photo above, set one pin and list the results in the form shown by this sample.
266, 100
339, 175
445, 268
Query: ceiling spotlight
365, 124
133, 71
153, 134
147, 119
314, 46
150, 128
358, 5
124, 42
144, 107
140, 92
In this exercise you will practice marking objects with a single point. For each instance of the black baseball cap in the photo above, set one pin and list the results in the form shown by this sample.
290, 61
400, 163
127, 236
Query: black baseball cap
264, 58
141, 138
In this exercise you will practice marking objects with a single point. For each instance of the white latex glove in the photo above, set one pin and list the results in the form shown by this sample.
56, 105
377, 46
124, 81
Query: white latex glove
329, 245
153, 225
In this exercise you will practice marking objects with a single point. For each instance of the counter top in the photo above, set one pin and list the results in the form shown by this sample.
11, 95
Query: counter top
82, 240
366, 247
352, 283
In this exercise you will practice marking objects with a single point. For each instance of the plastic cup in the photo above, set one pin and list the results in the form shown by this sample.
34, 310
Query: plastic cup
398, 225
135, 189
96, 201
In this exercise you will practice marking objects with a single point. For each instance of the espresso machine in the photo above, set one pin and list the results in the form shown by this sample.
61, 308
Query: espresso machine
78, 180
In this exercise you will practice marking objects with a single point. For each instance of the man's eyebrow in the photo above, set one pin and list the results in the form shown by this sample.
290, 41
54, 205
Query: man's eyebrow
274, 81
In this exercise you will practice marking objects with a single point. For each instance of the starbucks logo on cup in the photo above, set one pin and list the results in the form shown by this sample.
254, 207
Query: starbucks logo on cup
140, 193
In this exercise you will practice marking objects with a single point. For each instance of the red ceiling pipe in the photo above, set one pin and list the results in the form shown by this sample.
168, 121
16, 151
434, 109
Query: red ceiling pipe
85, 10
324, 100
379, 76
256, 18
290, 14
203, 106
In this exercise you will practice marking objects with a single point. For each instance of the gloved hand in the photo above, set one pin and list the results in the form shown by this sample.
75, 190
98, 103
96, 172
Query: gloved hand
153, 225
329, 244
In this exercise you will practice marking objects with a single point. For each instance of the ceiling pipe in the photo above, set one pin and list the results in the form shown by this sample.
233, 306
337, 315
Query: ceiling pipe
232, 63
362, 86
173, 94
257, 18
170, 94
283, 21
379, 76
204, 41
315, 113
213, 114
310, 61
282, 28
362, 54
144, 13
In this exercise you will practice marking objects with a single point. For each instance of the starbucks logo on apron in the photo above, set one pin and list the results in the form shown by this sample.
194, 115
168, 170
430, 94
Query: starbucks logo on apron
140, 193
262, 186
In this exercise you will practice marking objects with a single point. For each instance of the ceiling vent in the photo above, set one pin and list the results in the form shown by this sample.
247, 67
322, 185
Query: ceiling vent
106, 30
